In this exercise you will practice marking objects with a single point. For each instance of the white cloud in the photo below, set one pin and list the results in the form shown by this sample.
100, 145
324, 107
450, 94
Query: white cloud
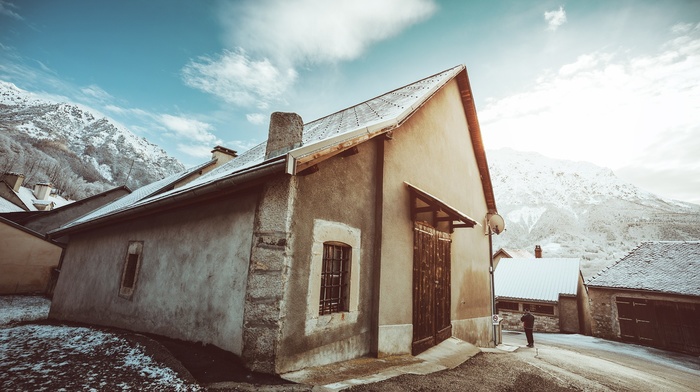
235, 78
269, 39
555, 18
196, 150
96, 92
191, 129
7, 8
256, 118
637, 114
319, 31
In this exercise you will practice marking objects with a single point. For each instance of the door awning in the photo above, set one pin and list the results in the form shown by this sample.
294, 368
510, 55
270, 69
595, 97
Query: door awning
426, 207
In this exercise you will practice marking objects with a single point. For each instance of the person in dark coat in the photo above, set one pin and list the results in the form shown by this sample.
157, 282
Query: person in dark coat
528, 323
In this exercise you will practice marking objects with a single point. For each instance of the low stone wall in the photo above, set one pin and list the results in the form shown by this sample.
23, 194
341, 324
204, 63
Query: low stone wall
511, 321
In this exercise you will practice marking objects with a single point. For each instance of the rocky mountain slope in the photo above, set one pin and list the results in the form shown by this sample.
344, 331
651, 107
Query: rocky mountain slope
80, 152
577, 209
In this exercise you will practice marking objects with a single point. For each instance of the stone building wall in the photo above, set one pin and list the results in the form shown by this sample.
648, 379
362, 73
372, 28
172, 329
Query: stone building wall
543, 323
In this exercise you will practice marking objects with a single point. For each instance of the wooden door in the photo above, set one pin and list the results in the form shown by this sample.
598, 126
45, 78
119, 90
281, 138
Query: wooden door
636, 318
431, 287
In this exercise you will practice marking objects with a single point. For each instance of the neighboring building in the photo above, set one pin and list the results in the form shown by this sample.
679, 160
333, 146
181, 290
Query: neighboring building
30, 263
552, 288
355, 234
27, 260
41, 198
510, 254
651, 297
44, 221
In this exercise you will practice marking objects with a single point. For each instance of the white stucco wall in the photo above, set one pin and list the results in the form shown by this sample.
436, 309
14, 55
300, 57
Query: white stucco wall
192, 279
26, 261
433, 151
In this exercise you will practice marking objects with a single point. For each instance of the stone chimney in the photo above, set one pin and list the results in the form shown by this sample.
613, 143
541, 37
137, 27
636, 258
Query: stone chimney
284, 134
223, 154
42, 191
14, 180
538, 252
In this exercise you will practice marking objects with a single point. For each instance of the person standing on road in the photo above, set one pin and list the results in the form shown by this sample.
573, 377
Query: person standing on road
528, 323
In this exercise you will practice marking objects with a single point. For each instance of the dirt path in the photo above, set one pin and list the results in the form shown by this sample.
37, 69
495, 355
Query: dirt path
559, 363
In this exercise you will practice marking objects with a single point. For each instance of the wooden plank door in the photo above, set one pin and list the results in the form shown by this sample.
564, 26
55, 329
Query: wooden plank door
431, 287
637, 320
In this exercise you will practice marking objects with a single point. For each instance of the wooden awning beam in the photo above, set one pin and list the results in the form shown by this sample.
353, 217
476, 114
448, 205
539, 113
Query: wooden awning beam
455, 218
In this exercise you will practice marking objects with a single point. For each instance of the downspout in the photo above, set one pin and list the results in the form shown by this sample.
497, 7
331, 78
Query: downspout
377, 264
493, 288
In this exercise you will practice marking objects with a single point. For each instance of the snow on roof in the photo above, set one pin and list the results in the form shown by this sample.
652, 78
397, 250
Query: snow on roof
29, 199
662, 266
541, 279
8, 206
393, 106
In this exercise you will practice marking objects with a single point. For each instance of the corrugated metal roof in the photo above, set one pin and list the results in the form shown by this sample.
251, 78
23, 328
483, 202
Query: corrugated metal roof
662, 266
134, 197
391, 107
541, 279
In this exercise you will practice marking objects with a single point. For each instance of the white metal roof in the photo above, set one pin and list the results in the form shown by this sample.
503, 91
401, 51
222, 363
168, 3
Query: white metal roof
542, 279
367, 118
663, 266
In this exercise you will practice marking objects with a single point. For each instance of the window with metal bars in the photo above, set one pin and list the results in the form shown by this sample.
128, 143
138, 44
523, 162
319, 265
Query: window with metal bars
335, 278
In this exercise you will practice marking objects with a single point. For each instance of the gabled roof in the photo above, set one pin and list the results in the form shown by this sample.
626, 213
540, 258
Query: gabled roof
515, 253
322, 139
542, 279
662, 266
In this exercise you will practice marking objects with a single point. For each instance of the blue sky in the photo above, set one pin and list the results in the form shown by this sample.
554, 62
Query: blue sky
616, 83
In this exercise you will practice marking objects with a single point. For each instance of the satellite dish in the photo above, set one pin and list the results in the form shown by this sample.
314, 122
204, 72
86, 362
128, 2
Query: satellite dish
496, 223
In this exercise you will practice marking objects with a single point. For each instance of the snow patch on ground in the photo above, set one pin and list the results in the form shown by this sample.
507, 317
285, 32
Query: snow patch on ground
68, 358
17, 308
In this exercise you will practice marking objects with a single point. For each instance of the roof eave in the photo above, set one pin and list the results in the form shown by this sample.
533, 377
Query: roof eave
236, 179
477, 141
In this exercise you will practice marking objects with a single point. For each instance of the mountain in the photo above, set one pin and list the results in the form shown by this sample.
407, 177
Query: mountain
78, 151
577, 209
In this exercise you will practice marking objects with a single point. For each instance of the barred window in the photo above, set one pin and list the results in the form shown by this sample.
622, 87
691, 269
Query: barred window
335, 278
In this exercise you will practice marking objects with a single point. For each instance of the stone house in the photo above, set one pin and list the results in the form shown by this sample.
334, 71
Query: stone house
551, 288
360, 233
651, 297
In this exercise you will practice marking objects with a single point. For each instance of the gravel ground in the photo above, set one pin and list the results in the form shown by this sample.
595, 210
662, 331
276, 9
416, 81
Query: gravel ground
39, 355
484, 372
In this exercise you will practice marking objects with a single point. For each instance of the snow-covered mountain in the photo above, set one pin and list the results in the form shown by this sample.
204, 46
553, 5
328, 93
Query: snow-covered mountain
80, 152
577, 209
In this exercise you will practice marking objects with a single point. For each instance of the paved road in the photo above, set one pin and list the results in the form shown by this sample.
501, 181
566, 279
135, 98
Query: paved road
608, 365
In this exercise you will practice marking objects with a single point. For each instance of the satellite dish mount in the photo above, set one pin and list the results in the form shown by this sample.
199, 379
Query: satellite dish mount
496, 223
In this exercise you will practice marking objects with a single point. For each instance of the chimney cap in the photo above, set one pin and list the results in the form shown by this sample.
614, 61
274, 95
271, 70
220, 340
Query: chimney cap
225, 150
